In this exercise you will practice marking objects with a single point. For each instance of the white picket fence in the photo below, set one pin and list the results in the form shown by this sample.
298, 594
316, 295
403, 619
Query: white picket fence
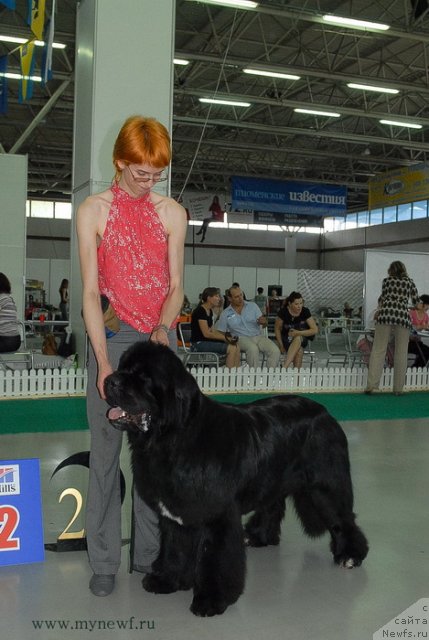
42, 382
64, 382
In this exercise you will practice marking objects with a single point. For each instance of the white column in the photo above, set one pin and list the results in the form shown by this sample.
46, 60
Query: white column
290, 252
124, 66
13, 224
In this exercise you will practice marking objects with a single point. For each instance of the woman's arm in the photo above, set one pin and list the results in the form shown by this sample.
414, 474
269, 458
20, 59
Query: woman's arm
210, 333
87, 230
174, 218
278, 326
312, 330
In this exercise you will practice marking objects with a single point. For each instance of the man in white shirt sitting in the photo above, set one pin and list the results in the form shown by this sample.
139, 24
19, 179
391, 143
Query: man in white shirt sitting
245, 320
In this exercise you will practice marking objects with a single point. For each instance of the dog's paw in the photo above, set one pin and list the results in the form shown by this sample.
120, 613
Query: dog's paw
206, 606
255, 541
157, 584
348, 563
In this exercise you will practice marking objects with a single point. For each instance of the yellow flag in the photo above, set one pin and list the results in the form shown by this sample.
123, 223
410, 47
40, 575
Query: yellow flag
38, 18
27, 65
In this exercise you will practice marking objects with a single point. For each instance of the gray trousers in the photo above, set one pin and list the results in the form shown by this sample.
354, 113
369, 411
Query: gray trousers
378, 353
103, 510
254, 346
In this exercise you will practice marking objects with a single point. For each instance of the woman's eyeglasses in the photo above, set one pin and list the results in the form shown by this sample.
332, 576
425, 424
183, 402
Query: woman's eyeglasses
143, 176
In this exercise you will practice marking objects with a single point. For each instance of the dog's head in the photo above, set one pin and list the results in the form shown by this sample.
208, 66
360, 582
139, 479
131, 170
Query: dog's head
150, 389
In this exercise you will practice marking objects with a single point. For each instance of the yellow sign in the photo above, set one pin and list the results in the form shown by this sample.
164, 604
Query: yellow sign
407, 184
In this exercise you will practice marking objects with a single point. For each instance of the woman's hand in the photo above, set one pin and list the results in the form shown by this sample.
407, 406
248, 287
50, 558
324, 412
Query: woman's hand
160, 336
103, 372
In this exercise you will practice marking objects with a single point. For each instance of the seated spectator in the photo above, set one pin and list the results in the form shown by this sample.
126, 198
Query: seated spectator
365, 340
217, 310
10, 338
420, 321
419, 315
244, 319
348, 310
275, 302
293, 328
204, 337
186, 306
261, 300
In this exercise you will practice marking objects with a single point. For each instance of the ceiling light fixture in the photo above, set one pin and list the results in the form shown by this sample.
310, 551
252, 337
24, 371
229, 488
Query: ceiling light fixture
328, 114
395, 123
38, 43
352, 23
271, 74
233, 103
18, 76
238, 4
181, 61
370, 87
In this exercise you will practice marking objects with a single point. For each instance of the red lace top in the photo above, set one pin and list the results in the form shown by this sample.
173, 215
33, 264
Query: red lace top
133, 260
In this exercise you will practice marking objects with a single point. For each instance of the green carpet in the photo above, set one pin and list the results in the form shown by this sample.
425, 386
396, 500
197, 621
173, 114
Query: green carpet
69, 414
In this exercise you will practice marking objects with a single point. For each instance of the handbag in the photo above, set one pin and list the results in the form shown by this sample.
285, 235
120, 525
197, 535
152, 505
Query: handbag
110, 319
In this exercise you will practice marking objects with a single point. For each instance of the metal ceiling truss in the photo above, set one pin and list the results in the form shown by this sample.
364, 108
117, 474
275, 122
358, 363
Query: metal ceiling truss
267, 139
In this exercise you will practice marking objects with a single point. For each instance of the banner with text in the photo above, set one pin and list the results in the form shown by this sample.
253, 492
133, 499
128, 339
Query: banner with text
200, 206
287, 200
401, 186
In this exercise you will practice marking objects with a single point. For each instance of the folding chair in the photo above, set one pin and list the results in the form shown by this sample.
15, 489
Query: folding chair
195, 358
354, 355
335, 346
23, 358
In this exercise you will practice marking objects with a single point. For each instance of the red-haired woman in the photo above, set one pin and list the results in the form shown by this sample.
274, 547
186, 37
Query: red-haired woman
131, 246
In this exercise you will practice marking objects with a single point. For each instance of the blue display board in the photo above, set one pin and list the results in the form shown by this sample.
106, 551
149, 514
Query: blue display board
21, 524
287, 197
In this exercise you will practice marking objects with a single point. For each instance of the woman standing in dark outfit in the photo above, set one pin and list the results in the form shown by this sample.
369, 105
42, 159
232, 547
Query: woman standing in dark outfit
393, 317
294, 326
64, 299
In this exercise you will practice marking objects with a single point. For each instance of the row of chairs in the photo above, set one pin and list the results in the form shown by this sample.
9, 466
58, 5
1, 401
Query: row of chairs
211, 359
195, 358
340, 348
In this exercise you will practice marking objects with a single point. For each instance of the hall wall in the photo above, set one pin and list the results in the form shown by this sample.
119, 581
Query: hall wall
334, 251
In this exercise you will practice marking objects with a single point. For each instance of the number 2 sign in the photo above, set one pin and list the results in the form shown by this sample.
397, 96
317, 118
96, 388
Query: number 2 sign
21, 527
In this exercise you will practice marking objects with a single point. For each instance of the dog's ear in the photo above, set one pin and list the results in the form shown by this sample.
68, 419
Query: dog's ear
176, 390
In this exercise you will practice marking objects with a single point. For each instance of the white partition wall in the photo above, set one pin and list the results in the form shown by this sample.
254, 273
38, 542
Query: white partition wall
246, 278
196, 279
221, 277
289, 280
13, 196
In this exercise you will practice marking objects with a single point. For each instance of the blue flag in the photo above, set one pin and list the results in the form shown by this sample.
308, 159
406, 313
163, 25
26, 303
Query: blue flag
47, 49
3, 84
10, 4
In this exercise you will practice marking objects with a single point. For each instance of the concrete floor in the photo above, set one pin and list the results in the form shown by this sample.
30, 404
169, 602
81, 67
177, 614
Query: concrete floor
293, 591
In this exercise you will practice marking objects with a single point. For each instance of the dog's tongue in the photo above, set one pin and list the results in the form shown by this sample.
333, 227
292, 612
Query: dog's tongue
115, 413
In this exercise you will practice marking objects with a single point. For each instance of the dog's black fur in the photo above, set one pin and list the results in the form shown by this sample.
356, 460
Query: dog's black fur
202, 464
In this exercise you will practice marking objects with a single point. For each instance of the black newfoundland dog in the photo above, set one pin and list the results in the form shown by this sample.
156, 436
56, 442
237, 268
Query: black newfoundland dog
202, 464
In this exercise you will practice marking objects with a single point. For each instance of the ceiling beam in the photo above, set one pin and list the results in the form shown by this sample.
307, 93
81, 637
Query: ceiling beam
42, 113
295, 131
242, 63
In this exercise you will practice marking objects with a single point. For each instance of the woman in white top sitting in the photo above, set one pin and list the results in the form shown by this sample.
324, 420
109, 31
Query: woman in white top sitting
10, 338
